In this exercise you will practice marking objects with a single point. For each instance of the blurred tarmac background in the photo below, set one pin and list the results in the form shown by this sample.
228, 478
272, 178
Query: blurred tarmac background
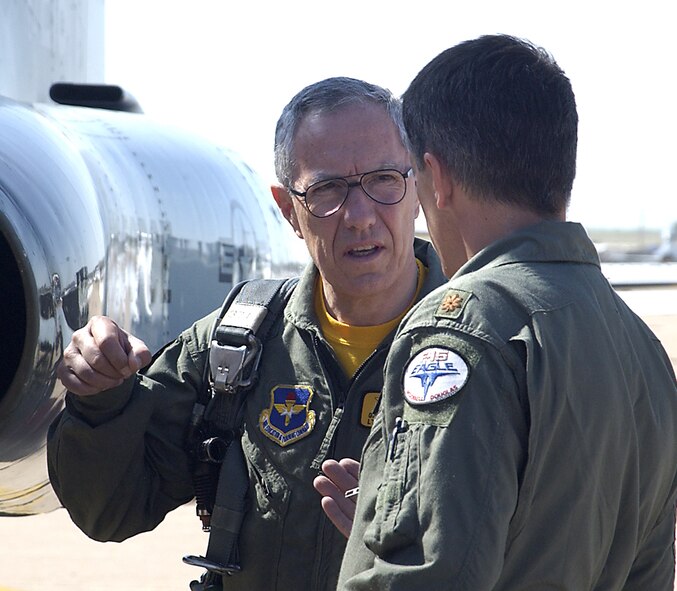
47, 552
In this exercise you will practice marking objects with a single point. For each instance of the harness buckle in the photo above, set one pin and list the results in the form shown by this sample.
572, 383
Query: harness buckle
229, 362
211, 566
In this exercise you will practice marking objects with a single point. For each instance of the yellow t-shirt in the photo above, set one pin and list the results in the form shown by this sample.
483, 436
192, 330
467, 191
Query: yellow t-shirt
353, 344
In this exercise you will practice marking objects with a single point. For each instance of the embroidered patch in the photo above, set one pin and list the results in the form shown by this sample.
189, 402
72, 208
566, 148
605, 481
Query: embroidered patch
453, 302
434, 374
288, 418
369, 403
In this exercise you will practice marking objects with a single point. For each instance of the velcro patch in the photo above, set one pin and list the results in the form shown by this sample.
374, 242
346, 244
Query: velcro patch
453, 302
434, 374
288, 418
369, 402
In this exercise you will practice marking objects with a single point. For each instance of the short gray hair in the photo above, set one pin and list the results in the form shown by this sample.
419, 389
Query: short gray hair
324, 97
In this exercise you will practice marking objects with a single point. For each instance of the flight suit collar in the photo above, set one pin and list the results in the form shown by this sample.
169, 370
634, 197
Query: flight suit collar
547, 241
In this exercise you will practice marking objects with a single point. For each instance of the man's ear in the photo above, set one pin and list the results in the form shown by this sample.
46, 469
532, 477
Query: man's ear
443, 185
286, 206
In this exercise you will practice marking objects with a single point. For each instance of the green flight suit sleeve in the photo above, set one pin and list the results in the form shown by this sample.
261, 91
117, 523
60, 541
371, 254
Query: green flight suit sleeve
438, 517
654, 566
116, 459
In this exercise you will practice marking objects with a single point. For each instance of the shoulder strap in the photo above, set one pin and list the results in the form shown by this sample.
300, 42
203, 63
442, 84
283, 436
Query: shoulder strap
246, 317
241, 329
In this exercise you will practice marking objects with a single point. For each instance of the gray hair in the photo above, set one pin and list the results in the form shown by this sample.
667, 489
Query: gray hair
324, 97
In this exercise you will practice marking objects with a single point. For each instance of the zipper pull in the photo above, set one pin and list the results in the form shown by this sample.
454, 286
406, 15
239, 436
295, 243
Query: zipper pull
400, 427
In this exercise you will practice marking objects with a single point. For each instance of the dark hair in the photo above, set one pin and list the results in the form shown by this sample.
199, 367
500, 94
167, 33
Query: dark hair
323, 97
500, 115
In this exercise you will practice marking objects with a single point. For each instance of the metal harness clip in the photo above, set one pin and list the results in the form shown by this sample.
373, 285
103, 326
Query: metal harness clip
228, 364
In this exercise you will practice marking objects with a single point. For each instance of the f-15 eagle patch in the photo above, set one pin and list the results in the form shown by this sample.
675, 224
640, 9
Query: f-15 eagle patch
434, 374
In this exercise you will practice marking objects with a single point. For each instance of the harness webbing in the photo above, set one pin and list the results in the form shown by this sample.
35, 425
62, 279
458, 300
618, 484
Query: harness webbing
235, 352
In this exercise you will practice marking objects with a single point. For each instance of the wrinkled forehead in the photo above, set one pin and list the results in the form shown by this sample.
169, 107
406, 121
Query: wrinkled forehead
352, 139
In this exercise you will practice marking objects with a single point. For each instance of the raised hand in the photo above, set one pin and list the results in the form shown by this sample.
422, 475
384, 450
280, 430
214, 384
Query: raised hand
338, 487
100, 356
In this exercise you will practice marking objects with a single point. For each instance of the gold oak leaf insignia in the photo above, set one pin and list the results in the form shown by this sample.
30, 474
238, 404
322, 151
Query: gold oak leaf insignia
452, 302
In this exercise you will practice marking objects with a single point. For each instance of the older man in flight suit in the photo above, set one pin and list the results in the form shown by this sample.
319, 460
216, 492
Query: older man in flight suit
117, 458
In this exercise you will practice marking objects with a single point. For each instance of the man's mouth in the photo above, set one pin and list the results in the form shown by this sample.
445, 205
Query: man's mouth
363, 251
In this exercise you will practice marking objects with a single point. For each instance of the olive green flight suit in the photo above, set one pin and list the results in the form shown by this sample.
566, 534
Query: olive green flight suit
537, 446
118, 464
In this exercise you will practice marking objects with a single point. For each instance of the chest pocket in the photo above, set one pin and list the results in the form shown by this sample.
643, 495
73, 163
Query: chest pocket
271, 489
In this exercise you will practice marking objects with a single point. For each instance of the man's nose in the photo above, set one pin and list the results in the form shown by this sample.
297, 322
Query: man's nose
359, 209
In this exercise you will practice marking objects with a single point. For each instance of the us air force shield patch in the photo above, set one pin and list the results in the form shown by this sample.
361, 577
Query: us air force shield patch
288, 418
434, 374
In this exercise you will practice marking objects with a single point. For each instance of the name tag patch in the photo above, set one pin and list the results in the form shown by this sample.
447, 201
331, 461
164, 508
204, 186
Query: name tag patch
434, 374
369, 403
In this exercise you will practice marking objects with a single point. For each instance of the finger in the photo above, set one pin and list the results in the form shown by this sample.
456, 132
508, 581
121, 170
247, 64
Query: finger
343, 473
341, 521
328, 489
351, 466
138, 355
87, 359
106, 352
339, 510
78, 377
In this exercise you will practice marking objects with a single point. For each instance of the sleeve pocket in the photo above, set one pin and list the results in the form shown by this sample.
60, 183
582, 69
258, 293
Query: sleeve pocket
395, 525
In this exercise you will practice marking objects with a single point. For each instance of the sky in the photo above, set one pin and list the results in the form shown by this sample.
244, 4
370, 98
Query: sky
225, 70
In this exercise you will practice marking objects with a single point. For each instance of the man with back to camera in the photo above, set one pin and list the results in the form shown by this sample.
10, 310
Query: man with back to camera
117, 458
527, 431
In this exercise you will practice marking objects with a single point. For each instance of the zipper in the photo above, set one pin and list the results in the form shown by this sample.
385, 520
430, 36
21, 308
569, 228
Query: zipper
259, 478
328, 443
326, 356
328, 361
381, 348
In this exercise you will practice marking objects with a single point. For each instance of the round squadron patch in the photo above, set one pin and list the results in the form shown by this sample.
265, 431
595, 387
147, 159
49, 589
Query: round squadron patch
434, 374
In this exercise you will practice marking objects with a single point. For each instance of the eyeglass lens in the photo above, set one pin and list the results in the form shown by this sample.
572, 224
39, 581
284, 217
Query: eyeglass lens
384, 186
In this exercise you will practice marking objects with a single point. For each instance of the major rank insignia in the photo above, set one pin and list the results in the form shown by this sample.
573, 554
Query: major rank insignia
453, 303
288, 418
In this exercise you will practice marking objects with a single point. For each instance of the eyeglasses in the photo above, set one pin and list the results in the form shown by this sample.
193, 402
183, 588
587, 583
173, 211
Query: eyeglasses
322, 199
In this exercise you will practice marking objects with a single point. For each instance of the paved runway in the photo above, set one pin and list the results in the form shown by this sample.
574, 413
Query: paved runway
47, 552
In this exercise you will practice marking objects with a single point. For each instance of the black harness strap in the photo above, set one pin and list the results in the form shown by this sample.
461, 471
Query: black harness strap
235, 353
